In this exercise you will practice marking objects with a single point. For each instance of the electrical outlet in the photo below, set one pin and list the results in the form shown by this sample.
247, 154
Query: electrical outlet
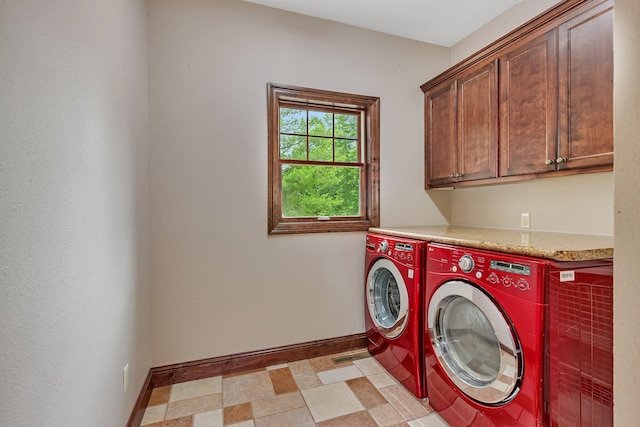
125, 378
525, 220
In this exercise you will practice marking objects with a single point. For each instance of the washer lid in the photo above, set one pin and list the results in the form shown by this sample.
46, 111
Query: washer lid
475, 343
387, 298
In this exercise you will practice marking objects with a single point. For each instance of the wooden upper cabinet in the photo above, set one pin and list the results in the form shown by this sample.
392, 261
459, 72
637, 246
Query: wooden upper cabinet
528, 106
461, 122
441, 134
586, 89
478, 123
537, 102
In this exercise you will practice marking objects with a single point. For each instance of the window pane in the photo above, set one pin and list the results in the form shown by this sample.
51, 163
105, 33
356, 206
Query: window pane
321, 149
293, 147
312, 191
346, 150
320, 123
346, 126
293, 121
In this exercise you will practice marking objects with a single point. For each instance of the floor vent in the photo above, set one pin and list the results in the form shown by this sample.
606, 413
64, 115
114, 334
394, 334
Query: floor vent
350, 357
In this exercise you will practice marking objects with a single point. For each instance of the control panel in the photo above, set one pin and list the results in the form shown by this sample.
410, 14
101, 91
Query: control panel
402, 251
495, 270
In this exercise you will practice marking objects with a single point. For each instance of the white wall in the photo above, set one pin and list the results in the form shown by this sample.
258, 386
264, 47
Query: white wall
572, 204
627, 212
221, 285
575, 204
73, 211
499, 26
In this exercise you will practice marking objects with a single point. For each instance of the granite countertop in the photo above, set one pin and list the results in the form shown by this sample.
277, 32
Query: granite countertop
540, 244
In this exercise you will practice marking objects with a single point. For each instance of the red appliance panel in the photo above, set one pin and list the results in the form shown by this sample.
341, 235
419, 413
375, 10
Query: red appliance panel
403, 356
581, 344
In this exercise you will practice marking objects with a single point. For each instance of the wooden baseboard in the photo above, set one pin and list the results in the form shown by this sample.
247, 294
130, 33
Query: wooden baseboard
138, 410
206, 368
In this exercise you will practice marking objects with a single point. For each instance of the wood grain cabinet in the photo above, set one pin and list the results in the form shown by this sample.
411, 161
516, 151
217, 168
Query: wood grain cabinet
585, 89
528, 107
460, 127
441, 134
538, 102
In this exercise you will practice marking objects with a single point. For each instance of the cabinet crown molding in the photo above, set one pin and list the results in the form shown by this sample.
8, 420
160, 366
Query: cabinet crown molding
538, 25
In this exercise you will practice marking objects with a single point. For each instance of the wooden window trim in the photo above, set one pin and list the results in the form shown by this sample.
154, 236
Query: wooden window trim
278, 94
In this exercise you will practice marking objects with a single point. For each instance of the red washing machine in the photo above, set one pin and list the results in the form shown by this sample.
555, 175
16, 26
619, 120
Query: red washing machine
394, 316
484, 352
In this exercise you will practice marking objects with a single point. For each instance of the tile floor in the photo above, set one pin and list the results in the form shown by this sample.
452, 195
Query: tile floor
323, 391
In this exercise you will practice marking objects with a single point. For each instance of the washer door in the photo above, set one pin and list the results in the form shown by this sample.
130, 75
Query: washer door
475, 343
387, 298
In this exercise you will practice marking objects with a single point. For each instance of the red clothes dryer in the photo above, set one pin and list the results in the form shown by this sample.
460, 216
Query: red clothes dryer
394, 316
484, 352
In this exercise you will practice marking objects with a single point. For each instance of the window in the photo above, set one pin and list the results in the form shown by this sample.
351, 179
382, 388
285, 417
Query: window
323, 160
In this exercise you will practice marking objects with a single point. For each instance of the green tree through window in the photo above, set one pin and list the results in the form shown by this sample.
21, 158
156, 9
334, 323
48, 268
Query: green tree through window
323, 160
319, 190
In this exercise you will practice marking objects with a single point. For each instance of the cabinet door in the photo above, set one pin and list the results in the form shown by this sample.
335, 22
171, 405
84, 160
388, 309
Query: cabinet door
586, 89
528, 107
478, 123
440, 134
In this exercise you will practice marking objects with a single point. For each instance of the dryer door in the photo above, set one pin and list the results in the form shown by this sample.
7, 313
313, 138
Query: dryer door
387, 298
475, 342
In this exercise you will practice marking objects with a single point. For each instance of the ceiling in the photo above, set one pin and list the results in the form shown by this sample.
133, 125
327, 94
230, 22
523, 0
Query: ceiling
441, 22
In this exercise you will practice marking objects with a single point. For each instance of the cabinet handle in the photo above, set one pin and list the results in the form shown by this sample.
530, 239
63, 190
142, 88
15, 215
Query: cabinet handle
458, 175
561, 160
549, 162
452, 175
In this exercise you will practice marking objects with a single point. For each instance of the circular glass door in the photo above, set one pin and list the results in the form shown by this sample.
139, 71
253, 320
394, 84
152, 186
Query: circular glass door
387, 298
474, 342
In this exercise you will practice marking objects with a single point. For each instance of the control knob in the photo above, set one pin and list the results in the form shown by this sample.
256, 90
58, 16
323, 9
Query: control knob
522, 284
384, 246
466, 263
507, 281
